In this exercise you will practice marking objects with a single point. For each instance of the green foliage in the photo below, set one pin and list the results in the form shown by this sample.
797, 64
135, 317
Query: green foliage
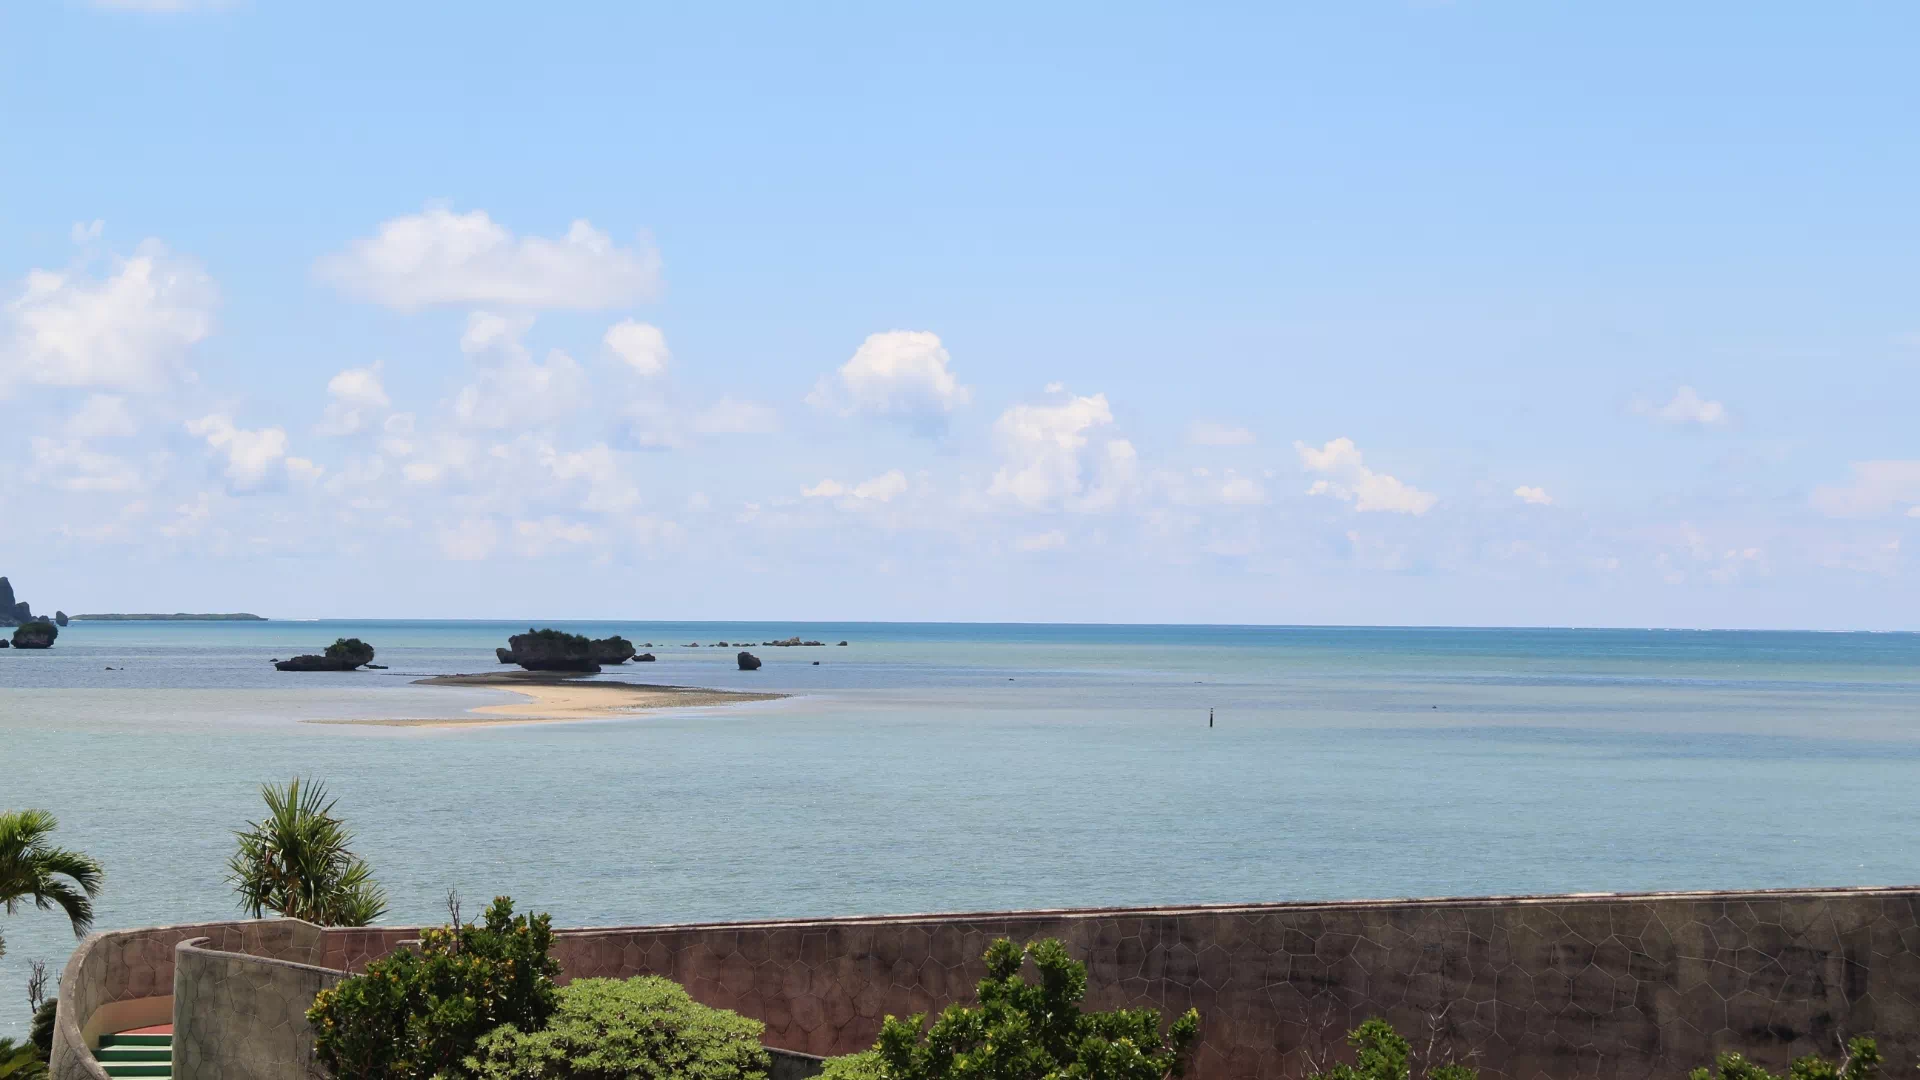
561, 637
1861, 1063
1381, 1054
1020, 1030
352, 649
862, 1066
40, 1032
416, 1015
21, 1061
33, 870
298, 862
645, 1028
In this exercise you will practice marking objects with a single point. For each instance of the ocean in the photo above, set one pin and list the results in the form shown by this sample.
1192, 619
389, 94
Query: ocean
954, 767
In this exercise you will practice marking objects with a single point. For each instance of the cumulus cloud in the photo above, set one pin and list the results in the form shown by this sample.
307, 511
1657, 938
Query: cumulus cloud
510, 388
1533, 496
356, 397
880, 489
102, 416
1050, 456
1045, 541
1685, 408
440, 257
253, 458
128, 331
1345, 476
730, 417
641, 345
1877, 487
905, 374
1209, 434
72, 465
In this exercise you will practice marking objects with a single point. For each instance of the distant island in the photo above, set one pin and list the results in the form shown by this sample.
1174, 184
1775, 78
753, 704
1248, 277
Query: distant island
178, 616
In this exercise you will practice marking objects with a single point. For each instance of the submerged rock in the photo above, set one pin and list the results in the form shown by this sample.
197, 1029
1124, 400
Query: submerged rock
38, 634
344, 654
552, 650
644, 658
748, 662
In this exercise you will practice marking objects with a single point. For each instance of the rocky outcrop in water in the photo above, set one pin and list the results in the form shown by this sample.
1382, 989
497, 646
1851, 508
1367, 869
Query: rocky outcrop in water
35, 634
344, 654
644, 658
550, 650
611, 650
792, 642
748, 662
59, 618
13, 612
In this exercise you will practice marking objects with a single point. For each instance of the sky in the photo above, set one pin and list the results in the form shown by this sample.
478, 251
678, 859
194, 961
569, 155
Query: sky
1468, 313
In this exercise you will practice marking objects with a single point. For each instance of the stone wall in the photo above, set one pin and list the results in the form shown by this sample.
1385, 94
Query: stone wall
241, 1017
1531, 987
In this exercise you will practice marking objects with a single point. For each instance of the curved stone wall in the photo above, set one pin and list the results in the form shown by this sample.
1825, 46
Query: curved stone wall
1527, 987
241, 1017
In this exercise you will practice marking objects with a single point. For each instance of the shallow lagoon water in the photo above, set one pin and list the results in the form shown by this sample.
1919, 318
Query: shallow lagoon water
929, 767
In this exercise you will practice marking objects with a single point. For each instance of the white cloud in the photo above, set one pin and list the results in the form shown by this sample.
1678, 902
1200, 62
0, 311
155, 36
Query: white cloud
71, 465
1533, 496
356, 395
1686, 407
1877, 488
1046, 541
549, 535
1346, 477
511, 389
605, 479
469, 540
102, 416
900, 373
440, 257
641, 345
730, 417
253, 457
129, 331
883, 488
1049, 454
1209, 434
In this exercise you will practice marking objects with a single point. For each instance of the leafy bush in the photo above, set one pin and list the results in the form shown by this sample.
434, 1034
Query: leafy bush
21, 1061
862, 1066
352, 649
1020, 1030
1861, 1063
298, 862
417, 1015
1381, 1054
40, 1033
612, 1029
560, 637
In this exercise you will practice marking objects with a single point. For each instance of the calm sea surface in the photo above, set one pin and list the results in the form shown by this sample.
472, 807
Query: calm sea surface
943, 767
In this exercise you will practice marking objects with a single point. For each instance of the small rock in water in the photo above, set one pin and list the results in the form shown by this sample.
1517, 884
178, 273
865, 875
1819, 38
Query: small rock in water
748, 661
843, 643
816, 663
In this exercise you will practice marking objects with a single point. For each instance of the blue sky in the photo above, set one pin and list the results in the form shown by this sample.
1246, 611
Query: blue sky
1467, 313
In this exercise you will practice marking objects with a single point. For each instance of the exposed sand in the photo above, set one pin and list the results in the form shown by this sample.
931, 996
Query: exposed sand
556, 697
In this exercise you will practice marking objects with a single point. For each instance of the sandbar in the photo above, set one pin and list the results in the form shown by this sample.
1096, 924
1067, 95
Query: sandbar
559, 697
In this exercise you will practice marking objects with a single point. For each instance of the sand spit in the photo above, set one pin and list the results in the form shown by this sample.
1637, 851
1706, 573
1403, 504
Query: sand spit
560, 697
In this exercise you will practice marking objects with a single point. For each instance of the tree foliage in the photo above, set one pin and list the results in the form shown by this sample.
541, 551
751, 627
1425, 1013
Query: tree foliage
645, 1028
21, 1061
1380, 1053
33, 870
1028, 1031
416, 1015
1862, 1062
298, 861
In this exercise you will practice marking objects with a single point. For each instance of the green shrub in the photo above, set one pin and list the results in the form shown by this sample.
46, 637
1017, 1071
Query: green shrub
1381, 1054
1020, 1030
416, 1015
40, 1034
862, 1066
612, 1029
21, 1061
1861, 1063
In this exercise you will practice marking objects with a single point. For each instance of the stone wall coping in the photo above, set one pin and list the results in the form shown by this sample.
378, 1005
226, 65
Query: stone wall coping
1037, 914
199, 945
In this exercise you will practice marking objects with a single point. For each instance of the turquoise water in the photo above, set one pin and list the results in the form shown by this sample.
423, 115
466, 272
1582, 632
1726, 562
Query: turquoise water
940, 767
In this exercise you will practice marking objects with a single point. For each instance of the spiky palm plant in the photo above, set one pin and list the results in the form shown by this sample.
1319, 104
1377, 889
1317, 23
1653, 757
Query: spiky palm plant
298, 862
21, 1061
31, 869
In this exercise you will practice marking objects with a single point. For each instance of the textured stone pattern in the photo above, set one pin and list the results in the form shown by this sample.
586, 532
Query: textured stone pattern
239, 1017
1555, 987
